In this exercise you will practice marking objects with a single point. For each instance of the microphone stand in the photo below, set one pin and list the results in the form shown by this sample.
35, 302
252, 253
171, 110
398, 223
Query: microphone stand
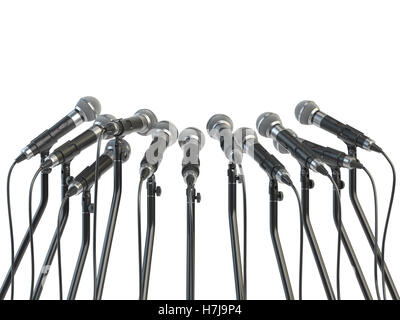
65, 176
366, 227
152, 191
233, 225
86, 210
191, 197
336, 174
306, 185
44, 197
276, 196
112, 219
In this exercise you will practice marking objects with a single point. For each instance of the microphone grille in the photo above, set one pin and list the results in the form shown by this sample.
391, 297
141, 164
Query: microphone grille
151, 120
88, 107
192, 135
218, 122
266, 121
245, 137
126, 149
305, 110
167, 129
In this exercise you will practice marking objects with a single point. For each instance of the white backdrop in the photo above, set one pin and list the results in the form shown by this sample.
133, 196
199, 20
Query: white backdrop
187, 60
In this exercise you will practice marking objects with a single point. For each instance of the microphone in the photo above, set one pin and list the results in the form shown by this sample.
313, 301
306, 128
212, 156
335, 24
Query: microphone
86, 109
164, 134
220, 127
331, 157
85, 179
247, 138
72, 148
307, 112
270, 125
142, 122
191, 140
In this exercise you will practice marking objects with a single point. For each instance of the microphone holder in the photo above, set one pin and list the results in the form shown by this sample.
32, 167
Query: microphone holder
336, 174
44, 197
152, 191
233, 225
112, 219
191, 197
65, 177
306, 185
366, 227
80, 264
275, 196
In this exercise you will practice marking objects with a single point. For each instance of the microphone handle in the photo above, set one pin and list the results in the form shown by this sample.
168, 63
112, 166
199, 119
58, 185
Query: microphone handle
331, 157
87, 176
48, 138
268, 162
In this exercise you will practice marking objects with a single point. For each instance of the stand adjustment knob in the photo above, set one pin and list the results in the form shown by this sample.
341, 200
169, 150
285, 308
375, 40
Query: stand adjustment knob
69, 180
198, 197
311, 184
158, 191
280, 196
341, 184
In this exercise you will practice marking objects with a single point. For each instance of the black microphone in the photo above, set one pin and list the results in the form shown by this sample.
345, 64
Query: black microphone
164, 135
191, 140
332, 157
86, 178
72, 148
307, 112
271, 165
142, 122
220, 127
86, 109
270, 125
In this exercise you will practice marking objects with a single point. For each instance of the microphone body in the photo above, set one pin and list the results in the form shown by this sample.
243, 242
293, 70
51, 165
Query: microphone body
191, 140
269, 125
142, 122
307, 112
86, 109
332, 157
164, 135
85, 180
268, 162
72, 148
220, 127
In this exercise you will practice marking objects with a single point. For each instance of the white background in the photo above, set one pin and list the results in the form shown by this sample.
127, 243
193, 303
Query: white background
187, 60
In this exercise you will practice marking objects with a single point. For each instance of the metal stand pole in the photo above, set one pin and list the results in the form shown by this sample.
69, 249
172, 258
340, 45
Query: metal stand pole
112, 220
86, 209
233, 225
345, 239
306, 185
276, 196
44, 197
191, 197
366, 227
152, 191
65, 175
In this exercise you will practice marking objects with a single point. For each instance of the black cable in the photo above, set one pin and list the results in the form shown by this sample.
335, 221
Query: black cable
11, 227
96, 184
59, 217
387, 223
301, 242
339, 235
376, 233
243, 182
31, 232
139, 212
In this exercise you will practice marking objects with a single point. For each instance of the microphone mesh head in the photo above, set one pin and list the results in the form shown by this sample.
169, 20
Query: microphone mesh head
151, 120
88, 108
266, 121
126, 149
245, 137
217, 123
167, 130
305, 110
192, 135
